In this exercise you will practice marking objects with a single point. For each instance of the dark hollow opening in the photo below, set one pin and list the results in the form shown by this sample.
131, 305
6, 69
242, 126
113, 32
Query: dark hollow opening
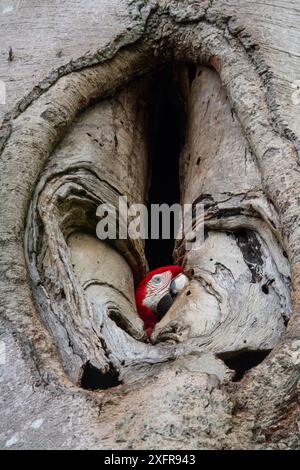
243, 362
93, 379
167, 120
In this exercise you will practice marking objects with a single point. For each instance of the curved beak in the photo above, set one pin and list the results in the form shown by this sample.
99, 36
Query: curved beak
176, 285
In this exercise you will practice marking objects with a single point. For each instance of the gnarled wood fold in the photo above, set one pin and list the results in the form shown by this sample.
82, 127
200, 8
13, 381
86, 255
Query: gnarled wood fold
239, 299
263, 210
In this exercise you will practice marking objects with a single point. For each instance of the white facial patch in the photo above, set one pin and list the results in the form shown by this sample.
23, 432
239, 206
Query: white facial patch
157, 287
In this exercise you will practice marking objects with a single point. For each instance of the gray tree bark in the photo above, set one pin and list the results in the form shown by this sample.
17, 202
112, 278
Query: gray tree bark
78, 138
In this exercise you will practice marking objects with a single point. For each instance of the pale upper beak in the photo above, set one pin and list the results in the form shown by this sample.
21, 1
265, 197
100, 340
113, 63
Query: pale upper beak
178, 284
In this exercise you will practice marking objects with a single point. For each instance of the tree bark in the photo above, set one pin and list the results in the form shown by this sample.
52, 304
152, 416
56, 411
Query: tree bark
222, 368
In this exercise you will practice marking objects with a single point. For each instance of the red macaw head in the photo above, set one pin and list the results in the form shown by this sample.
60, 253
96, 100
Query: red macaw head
156, 292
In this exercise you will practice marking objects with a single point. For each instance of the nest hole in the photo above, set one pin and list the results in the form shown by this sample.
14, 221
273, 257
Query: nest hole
243, 362
93, 379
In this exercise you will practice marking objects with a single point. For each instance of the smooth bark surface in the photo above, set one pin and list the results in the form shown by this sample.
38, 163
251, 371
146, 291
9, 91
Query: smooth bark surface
68, 319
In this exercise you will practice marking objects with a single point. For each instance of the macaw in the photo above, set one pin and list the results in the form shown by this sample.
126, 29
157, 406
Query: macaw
156, 292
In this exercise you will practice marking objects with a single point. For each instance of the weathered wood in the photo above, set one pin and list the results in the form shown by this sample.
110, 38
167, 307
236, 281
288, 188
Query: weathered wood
241, 300
102, 157
62, 34
177, 393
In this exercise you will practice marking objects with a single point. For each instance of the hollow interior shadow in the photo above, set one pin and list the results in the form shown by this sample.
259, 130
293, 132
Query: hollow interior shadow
166, 136
243, 362
93, 379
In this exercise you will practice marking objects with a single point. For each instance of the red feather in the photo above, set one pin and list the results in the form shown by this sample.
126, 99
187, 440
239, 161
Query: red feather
147, 315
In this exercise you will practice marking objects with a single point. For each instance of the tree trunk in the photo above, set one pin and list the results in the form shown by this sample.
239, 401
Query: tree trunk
222, 368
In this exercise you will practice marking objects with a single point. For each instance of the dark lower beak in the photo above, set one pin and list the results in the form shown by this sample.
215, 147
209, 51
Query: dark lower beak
164, 304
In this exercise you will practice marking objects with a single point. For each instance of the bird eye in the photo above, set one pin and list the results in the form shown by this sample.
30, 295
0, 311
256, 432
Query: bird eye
156, 279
